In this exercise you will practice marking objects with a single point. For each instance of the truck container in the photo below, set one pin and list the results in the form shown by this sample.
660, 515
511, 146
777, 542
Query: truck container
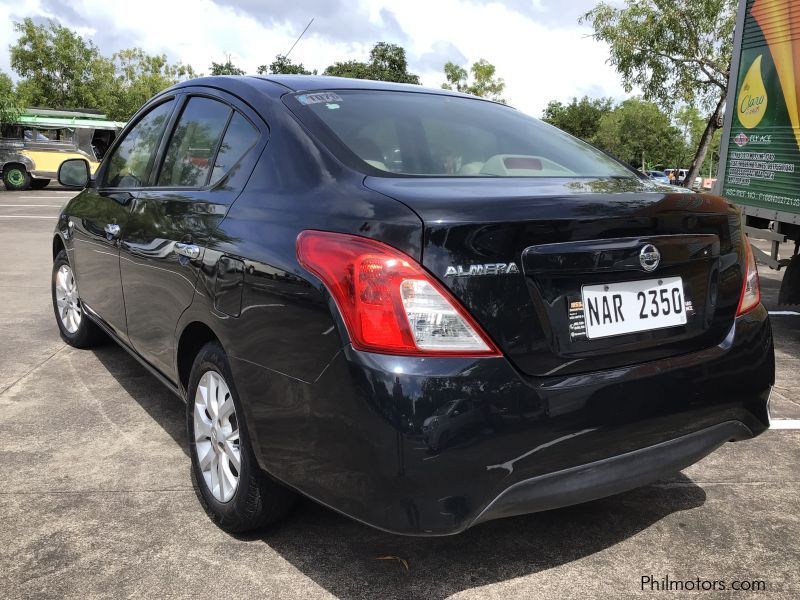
759, 166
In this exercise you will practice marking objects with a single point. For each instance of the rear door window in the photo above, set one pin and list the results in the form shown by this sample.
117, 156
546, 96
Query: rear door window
239, 138
194, 143
130, 164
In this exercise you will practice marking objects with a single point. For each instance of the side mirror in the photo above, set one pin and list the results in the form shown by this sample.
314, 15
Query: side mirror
74, 173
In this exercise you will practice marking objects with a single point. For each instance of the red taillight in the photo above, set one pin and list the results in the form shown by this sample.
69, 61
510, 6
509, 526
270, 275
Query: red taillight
389, 303
751, 288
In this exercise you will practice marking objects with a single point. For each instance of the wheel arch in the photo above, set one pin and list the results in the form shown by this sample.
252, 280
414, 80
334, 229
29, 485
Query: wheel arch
17, 159
194, 336
58, 245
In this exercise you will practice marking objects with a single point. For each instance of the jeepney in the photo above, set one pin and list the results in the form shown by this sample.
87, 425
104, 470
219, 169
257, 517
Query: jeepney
34, 146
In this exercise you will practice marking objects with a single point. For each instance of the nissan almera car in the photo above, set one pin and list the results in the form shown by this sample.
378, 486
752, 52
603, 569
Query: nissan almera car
419, 308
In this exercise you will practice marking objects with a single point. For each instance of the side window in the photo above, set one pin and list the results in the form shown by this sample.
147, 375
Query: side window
239, 138
49, 135
193, 143
130, 164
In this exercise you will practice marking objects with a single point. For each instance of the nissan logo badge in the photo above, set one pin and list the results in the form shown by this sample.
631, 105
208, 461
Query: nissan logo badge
649, 257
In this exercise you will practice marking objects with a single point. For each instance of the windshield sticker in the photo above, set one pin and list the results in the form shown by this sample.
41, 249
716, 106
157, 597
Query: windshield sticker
331, 106
319, 98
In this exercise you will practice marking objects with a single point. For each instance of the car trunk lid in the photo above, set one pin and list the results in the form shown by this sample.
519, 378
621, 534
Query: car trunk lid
519, 253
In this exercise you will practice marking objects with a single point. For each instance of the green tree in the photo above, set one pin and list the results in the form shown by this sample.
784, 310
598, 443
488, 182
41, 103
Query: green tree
692, 125
58, 68
639, 133
580, 118
137, 77
226, 68
387, 62
282, 65
354, 69
675, 51
484, 83
9, 109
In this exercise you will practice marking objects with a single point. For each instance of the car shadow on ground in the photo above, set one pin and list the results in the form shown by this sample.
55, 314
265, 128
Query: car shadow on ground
351, 560
163, 406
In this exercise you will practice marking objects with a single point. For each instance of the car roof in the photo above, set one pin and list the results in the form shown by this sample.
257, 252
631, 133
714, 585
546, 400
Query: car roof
311, 83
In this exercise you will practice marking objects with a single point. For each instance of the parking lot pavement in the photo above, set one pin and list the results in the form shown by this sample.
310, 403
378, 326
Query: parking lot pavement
96, 500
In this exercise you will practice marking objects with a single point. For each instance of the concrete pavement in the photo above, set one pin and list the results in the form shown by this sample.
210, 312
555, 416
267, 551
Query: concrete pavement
96, 499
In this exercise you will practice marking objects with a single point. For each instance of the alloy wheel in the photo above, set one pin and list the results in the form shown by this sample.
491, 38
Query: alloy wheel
216, 435
67, 300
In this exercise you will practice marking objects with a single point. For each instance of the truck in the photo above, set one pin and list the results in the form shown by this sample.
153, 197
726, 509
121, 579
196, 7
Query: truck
759, 166
39, 140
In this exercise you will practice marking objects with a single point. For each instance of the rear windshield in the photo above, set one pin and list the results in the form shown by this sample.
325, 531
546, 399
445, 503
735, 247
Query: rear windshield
410, 133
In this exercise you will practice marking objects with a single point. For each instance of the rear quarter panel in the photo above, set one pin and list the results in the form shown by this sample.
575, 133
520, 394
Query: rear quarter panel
288, 330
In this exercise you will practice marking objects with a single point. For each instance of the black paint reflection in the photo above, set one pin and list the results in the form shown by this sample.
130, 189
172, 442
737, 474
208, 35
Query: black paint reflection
443, 411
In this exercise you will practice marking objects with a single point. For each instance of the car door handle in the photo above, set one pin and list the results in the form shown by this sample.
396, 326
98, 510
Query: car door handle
188, 250
112, 229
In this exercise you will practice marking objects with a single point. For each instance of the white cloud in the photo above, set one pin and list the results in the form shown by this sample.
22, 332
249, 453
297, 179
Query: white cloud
539, 60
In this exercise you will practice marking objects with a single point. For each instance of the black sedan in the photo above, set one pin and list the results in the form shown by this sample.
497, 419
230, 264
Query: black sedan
419, 308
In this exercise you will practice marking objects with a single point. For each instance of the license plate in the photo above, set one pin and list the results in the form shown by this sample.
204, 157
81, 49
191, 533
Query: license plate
631, 306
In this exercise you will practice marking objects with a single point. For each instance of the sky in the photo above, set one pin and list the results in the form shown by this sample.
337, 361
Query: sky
538, 46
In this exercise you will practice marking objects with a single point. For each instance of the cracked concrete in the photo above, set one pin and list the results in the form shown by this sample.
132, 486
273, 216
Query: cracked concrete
95, 498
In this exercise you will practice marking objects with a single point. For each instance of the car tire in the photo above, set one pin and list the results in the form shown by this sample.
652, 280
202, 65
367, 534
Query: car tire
236, 499
789, 294
76, 329
16, 178
39, 184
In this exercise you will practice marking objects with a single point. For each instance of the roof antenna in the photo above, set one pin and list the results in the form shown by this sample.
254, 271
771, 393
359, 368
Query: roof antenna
298, 38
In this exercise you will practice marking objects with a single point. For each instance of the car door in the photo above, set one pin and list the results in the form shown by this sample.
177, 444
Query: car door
172, 219
99, 217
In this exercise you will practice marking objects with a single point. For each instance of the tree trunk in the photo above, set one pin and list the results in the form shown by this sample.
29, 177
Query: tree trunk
714, 123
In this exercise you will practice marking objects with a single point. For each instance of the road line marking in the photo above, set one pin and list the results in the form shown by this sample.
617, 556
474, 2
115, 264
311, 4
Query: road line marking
784, 424
785, 313
24, 217
30, 205
40, 197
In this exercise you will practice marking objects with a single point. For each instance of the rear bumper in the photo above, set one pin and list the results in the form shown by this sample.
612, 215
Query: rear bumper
360, 438
612, 475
